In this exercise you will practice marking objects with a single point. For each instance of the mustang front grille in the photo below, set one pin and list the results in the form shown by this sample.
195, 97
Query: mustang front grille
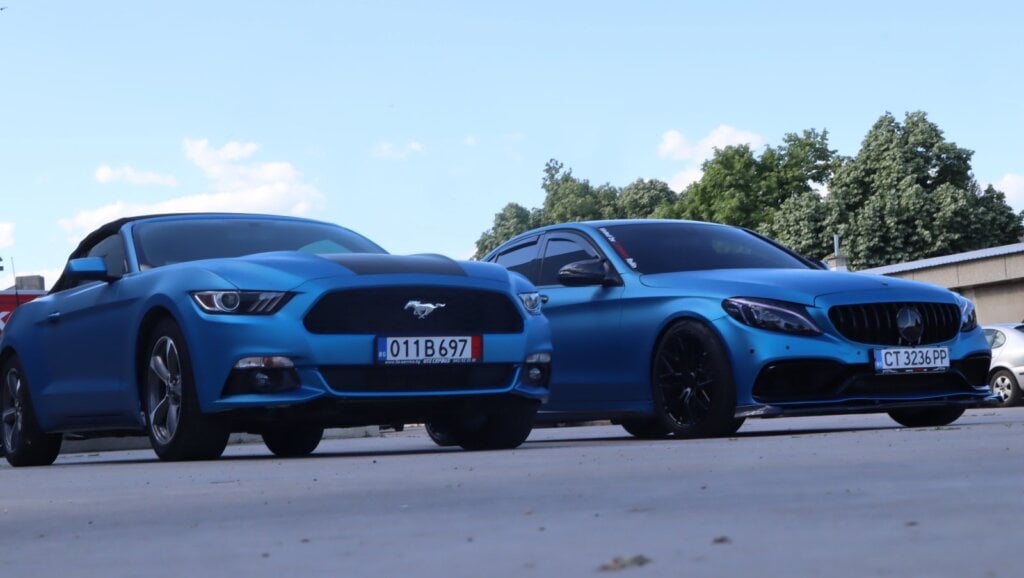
875, 323
411, 311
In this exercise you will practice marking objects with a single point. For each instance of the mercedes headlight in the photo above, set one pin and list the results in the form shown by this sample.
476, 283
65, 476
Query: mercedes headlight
532, 301
771, 315
968, 315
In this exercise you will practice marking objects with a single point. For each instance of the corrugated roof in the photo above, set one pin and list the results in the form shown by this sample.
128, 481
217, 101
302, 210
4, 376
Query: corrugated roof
947, 259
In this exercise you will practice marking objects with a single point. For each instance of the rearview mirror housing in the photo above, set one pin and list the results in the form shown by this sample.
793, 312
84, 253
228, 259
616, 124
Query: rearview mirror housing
87, 269
587, 272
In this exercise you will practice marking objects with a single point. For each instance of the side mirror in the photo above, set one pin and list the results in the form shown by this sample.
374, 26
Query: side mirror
87, 269
587, 272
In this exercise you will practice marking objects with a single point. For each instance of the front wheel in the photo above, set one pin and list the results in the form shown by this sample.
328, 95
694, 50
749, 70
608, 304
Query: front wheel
692, 385
178, 429
1005, 385
24, 443
926, 416
502, 428
440, 432
293, 441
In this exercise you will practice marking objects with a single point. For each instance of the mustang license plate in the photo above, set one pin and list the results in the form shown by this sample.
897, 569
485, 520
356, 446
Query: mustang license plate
448, 349
911, 359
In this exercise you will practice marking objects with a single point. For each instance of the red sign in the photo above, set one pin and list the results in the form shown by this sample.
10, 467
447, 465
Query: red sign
9, 301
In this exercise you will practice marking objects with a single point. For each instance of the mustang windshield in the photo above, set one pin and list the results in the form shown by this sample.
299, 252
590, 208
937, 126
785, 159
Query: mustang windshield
666, 247
159, 243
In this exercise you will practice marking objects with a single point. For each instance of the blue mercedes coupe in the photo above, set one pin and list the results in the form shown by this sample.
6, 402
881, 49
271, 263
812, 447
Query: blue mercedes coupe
189, 327
687, 328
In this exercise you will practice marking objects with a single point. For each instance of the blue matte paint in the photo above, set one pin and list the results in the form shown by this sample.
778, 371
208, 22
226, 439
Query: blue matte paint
79, 347
604, 337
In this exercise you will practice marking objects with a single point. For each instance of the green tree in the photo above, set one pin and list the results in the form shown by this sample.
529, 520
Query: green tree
740, 188
728, 192
509, 222
642, 199
800, 224
937, 208
572, 199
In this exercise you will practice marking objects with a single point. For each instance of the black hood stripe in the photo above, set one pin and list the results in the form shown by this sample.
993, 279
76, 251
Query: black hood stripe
375, 264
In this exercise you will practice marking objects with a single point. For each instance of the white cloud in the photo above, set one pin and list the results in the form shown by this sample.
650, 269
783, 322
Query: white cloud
6, 235
675, 146
391, 151
107, 174
238, 186
1013, 186
469, 141
682, 179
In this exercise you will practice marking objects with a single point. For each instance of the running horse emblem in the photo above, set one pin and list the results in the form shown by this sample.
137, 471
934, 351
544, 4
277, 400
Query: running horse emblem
421, 310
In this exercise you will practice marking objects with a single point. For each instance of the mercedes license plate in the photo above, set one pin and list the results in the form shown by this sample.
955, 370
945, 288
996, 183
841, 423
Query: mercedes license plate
446, 349
911, 359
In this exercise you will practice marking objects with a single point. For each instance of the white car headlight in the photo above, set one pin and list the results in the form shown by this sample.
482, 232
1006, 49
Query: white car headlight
771, 315
532, 301
241, 302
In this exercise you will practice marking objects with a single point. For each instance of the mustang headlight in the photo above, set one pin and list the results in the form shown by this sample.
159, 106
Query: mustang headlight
532, 301
968, 315
771, 315
241, 302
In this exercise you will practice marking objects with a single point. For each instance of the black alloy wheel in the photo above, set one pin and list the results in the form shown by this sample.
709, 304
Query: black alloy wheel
692, 386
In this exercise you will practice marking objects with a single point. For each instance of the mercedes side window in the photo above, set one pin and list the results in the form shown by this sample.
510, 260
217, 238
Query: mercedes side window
522, 259
560, 251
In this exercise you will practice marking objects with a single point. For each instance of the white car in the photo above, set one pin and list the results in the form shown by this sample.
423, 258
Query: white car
1007, 369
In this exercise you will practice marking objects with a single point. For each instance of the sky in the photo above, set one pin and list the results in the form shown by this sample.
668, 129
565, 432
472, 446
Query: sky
414, 122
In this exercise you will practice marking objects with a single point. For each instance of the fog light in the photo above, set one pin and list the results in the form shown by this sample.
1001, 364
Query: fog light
273, 374
535, 374
537, 369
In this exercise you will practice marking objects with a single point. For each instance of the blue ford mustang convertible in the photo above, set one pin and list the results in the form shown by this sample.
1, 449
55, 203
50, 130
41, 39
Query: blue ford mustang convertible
687, 328
190, 327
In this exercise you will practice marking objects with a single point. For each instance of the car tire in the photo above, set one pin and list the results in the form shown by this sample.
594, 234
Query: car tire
24, 443
440, 432
692, 384
504, 428
293, 441
178, 429
1005, 385
926, 416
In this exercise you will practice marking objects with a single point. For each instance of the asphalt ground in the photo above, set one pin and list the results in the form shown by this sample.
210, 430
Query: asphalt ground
827, 496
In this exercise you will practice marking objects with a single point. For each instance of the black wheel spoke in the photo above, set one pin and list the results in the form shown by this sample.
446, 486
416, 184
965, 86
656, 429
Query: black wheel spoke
692, 387
684, 381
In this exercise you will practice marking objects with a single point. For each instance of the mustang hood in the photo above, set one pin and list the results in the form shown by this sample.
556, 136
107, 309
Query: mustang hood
804, 286
289, 269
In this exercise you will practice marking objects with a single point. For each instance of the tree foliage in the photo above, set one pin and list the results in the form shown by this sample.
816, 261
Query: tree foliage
568, 198
908, 194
